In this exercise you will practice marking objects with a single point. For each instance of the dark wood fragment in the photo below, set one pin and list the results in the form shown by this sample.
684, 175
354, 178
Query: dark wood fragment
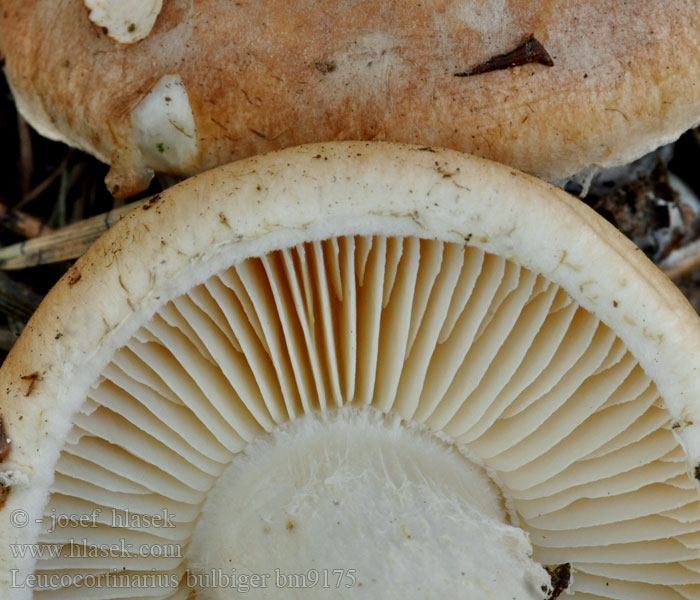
5, 446
4, 442
530, 51
561, 578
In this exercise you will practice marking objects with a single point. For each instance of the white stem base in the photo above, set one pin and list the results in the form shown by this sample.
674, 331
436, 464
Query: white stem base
358, 504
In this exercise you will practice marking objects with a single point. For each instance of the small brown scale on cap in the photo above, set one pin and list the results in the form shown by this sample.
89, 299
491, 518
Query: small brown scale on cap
325, 66
74, 276
150, 202
32, 378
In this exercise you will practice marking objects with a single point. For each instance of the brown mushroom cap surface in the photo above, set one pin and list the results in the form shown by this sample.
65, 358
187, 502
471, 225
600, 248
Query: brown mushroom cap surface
260, 76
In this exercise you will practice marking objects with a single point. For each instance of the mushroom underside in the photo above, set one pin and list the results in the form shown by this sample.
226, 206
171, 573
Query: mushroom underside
435, 342
496, 359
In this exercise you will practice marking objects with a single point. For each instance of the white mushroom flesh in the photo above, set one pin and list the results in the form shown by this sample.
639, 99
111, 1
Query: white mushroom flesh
162, 125
125, 21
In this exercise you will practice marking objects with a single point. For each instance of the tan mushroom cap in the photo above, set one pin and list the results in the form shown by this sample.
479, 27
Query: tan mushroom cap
446, 292
260, 76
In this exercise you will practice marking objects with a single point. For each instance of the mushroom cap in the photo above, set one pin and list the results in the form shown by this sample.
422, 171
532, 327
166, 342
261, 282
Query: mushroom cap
457, 293
260, 76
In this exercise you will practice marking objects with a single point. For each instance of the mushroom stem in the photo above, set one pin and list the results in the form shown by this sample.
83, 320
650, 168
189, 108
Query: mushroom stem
354, 499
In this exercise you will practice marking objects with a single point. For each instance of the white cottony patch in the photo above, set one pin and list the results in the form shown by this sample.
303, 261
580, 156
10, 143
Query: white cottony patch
366, 505
10, 478
162, 126
126, 21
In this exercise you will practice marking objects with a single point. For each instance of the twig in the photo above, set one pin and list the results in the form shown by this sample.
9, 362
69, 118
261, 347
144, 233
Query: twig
7, 339
68, 179
63, 244
682, 261
16, 299
44, 185
15, 325
26, 155
21, 223
696, 135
